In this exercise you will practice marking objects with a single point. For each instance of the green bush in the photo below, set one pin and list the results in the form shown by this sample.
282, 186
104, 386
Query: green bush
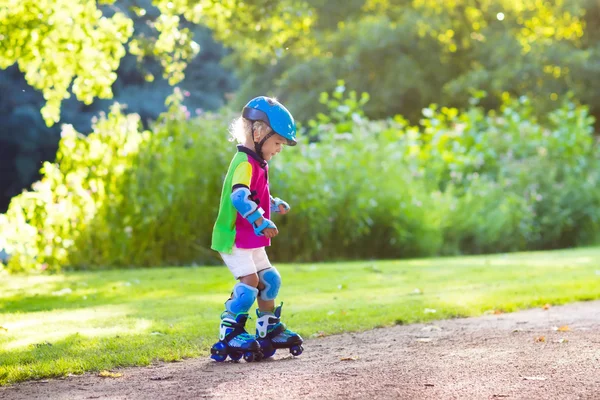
461, 182
522, 183
123, 196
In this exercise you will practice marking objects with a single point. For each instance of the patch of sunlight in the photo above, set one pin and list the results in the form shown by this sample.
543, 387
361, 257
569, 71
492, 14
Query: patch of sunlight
583, 260
58, 325
554, 258
539, 262
82, 315
17, 283
17, 280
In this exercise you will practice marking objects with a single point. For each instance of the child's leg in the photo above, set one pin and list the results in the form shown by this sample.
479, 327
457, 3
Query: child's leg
234, 341
269, 280
270, 331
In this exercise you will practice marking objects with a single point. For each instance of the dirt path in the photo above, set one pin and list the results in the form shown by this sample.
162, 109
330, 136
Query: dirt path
493, 357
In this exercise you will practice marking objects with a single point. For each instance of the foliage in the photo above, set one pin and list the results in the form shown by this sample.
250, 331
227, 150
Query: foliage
206, 85
114, 186
523, 184
410, 53
461, 182
406, 53
59, 43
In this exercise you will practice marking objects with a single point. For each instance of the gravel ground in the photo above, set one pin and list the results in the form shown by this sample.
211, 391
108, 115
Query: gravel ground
549, 353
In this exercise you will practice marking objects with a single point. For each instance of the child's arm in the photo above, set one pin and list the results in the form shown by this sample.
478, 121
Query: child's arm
249, 210
241, 197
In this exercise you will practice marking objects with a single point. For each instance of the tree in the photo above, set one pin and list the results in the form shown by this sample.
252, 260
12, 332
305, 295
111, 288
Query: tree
26, 141
410, 53
79, 44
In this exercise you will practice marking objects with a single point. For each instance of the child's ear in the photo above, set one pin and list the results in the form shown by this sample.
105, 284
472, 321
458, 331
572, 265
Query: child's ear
256, 133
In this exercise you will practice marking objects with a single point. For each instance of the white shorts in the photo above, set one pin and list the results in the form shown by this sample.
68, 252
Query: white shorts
242, 262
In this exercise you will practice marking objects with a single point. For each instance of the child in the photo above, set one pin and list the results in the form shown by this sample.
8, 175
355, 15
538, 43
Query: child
243, 229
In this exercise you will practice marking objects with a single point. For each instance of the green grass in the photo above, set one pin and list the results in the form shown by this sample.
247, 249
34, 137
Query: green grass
55, 325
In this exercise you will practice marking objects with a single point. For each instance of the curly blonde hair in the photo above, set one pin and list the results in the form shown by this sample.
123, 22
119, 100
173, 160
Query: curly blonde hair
241, 129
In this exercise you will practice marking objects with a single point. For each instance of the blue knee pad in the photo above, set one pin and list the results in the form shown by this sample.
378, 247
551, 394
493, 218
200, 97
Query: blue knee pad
242, 298
272, 280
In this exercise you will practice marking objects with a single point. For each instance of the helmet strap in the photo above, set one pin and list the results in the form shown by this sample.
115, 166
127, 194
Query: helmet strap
258, 145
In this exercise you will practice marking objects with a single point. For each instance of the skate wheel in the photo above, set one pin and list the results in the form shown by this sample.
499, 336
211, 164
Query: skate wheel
235, 356
268, 353
296, 350
249, 356
218, 352
266, 348
258, 357
218, 357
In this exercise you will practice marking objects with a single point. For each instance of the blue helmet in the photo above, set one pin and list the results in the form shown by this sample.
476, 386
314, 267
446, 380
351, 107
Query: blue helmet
272, 112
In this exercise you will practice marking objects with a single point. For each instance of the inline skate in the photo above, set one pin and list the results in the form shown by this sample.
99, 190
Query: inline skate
272, 334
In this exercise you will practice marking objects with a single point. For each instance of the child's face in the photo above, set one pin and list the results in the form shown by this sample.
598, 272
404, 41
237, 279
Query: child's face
272, 146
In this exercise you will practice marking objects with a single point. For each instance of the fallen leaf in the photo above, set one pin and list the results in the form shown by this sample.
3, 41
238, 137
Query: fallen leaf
108, 374
546, 306
517, 330
564, 328
534, 378
561, 340
498, 312
540, 339
348, 358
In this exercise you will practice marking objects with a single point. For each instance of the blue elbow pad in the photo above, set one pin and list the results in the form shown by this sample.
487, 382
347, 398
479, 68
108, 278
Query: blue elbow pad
244, 205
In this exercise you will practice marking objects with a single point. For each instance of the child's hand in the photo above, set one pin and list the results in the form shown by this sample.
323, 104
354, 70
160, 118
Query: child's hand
283, 210
271, 232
